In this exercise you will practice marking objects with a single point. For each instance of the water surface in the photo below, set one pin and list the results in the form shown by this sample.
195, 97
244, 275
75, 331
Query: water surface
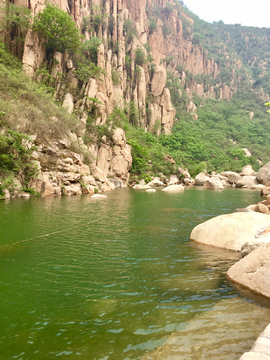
118, 279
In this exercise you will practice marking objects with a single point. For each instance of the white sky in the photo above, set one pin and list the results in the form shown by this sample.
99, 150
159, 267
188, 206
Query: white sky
244, 12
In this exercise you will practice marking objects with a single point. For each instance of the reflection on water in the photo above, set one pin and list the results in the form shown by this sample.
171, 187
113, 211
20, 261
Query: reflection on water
117, 279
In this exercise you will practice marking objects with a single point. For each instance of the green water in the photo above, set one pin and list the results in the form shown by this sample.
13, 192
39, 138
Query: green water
114, 279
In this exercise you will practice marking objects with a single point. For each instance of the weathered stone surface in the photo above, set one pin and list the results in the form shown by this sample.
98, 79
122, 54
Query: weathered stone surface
89, 189
159, 81
263, 175
74, 189
231, 231
68, 103
173, 180
174, 188
232, 176
200, 179
247, 171
248, 247
253, 271
254, 356
156, 183
247, 181
213, 184
34, 52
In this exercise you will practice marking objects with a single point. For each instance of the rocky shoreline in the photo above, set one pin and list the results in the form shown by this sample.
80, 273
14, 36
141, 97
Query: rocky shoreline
246, 231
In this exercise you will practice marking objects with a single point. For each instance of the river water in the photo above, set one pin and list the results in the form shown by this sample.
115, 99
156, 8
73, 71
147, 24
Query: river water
118, 279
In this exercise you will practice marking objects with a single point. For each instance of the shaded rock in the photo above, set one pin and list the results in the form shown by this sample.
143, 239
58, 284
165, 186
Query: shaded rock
265, 192
247, 181
200, 179
231, 231
263, 175
262, 209
253, 271
117, 183
247, 248
213, 184
174, 188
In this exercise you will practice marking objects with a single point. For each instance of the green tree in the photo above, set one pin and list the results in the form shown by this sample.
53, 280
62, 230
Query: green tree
58, 30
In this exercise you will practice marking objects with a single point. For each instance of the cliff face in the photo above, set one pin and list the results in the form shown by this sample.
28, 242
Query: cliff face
136, 81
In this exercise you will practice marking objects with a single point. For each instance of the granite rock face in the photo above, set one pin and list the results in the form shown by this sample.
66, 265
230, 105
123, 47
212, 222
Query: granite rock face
233, 230
253, 271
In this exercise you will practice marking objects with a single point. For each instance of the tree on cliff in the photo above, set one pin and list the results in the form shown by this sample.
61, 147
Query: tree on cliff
58, 30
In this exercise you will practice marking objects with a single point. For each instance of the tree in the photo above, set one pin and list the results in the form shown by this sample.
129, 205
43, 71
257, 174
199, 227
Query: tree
58, 30
267, 104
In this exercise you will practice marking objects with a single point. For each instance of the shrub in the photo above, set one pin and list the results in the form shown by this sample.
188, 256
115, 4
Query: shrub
58, 30
15, 17
140, 58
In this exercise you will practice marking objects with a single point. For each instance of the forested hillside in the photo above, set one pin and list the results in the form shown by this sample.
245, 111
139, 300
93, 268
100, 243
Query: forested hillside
175, 84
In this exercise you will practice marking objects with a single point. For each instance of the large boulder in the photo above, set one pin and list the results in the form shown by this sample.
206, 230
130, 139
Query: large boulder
232, 176
200, 179
156, 183
247, 171
253, 271
231, 231
174, 188
213, 184
247, 182
159, 81
263, 175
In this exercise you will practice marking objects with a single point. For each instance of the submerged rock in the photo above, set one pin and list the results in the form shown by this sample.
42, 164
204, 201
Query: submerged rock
231, 231
99, 196
141, 187
174, 188
151, 190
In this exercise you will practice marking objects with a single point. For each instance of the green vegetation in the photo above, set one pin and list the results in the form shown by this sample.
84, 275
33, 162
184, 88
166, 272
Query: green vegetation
25, 108
58, 29
16, 19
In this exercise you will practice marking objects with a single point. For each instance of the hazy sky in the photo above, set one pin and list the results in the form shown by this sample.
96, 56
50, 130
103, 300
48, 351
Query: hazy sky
244, 12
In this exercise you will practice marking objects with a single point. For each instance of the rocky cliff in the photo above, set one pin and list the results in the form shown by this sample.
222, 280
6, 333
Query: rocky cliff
161, 30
